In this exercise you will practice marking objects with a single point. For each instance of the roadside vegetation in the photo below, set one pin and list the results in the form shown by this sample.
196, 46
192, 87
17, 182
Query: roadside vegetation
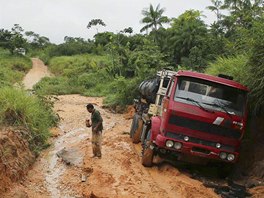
12, 67
32, 113
113, 64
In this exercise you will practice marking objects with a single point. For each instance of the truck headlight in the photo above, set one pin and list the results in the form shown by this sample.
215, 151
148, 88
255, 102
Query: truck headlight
169, 143
177, 145
186, 138
218, 145
230, 157
223, 155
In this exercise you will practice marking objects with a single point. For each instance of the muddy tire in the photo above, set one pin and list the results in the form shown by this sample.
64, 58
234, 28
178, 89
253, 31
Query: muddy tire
134, 124
144, 132
137, 134
147, 152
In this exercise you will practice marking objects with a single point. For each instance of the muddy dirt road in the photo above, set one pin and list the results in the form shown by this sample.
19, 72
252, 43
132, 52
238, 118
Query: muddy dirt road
38, 71
59, 170
66, 168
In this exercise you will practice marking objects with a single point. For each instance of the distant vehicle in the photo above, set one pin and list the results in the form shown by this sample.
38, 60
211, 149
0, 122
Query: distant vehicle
191, 117
21, 51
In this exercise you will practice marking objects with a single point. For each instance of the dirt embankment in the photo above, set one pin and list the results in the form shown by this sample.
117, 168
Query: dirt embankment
15, 157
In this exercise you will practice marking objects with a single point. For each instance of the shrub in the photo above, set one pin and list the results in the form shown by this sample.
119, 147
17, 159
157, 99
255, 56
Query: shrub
256, 65
235, 66
122, 91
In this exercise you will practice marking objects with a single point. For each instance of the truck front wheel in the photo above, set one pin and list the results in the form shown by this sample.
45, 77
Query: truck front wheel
147, 152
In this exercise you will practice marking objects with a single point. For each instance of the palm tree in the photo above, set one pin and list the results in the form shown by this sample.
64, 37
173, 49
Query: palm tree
153, 18
95, 22
216, 7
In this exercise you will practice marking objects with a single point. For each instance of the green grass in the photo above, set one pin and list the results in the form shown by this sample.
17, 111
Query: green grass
12, 68
18, 108
89, 75
57, 86
78, 64
80, 74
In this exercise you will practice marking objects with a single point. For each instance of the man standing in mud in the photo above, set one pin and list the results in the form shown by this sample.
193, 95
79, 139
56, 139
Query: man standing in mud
97, 127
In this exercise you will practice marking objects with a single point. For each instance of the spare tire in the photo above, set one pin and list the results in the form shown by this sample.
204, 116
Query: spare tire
148, 89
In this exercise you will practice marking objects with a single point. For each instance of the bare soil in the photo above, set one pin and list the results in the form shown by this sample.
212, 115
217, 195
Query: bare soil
118, 173
66, 168
15, 157
38, 71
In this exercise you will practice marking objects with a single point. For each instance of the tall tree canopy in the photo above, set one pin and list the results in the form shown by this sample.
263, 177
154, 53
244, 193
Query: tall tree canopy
37, 41
188, 39
153, 18
95, 22
12, 40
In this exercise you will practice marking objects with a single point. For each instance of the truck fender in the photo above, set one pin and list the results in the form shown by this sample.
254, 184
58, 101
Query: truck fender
155, 127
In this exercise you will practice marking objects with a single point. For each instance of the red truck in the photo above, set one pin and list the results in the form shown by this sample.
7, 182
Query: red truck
194, 117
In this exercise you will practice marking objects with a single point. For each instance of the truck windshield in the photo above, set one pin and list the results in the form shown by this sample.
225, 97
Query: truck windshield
212, 96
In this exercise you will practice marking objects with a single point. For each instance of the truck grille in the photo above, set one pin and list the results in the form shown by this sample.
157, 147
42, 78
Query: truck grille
180, 137
200, 150
204, 127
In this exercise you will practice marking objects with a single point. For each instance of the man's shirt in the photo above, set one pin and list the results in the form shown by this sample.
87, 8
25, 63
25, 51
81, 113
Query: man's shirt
96, 118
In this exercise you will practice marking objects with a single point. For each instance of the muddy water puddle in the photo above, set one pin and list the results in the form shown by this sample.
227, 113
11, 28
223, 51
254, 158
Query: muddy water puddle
64, 152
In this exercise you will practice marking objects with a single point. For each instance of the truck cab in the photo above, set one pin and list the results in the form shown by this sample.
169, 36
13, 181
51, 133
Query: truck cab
201, 118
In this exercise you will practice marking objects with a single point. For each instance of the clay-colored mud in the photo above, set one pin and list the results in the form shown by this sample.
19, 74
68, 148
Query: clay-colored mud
38, 71
66, 168
118, 174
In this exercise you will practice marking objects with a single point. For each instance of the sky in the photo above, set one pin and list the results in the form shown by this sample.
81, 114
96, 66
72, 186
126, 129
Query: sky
56, 19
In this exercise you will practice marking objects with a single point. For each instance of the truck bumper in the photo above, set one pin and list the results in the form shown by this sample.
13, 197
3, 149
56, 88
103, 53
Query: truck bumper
190, 149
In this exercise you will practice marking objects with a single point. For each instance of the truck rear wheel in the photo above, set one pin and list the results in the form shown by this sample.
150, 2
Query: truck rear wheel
137, 134
147, 152
134, 125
